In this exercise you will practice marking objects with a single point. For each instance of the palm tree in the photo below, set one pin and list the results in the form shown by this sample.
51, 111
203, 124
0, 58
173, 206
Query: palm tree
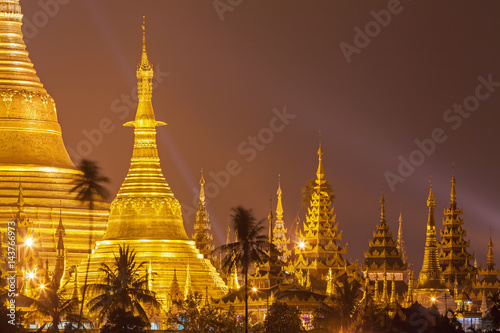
122, 287
346, 299
52, 301
248, 248
88, 188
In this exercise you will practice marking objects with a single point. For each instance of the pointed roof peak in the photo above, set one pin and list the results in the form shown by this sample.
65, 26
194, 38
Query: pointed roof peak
453, 194
431, 202
320, 173
145, 65
382, 208
202, 189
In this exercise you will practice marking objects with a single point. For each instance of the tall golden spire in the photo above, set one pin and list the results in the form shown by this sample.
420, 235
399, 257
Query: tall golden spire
431, 275
490, 260
382, 209
152, 210
270, 218
453, 194
320, 173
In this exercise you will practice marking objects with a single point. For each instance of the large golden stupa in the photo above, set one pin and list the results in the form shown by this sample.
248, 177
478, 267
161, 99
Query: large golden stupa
146, 216
33, 155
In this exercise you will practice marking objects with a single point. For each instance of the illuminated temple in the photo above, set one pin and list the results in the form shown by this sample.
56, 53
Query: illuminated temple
36, 173
146, 216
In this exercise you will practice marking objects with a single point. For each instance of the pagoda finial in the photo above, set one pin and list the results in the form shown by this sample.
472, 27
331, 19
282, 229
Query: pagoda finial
400, 242
490, 262
145, 117
187, 286
431, 205
279, 206
453, 195
382, 209
202, 189
320, 173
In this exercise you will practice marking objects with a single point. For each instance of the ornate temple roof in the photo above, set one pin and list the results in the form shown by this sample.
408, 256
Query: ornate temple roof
383, 254
453, 256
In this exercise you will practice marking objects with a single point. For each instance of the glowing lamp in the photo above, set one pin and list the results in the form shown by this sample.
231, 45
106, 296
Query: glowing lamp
29, 241
302, 245
31, 275
433, 299
254, 289
42, 286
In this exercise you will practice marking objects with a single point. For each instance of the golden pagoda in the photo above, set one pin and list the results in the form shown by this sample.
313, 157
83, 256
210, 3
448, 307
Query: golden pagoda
453, 256
487, 282
317, 251
202, 229
33, 153
279, 236
383, 260
431, 288
147, 217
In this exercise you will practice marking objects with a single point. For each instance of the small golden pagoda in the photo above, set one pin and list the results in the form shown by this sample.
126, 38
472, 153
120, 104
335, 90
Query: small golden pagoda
280, 233
33, 153
453, 256
272, 271
383, 263
147, 217
400, 244
317, 251
431, 288
486, 282
202, 229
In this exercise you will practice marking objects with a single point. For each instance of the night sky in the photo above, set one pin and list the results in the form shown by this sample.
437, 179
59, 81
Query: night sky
245, 89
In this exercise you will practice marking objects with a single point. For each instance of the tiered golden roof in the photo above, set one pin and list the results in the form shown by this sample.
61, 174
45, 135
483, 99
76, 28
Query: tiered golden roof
383, 258
202, 229
453, 257
33, 153
146, 216
487, 282
317, 250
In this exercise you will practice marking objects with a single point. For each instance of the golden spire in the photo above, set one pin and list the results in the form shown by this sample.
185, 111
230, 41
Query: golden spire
279, 206
76, 293
202, 189
320, 173
490, 262
152, 210
376, 292
385, 296
382, 209
453, 195
187, 286
400, 242
431, 275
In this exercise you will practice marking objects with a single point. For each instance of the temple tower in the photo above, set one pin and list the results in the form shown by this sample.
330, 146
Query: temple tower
317, 250
384, 259
431, 288
453, 256
280, 238
202, 229
146, 216
487, 282
33, 152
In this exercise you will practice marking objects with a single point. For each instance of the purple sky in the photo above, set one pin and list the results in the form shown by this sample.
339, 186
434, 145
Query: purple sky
218, 82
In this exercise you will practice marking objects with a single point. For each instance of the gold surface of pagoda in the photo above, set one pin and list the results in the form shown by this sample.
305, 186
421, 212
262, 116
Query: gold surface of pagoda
146, 216
33, 153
